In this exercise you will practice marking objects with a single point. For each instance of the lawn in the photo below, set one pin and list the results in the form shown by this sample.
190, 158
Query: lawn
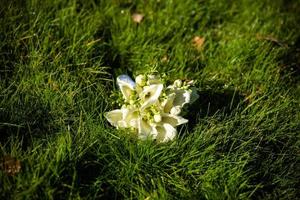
59, 61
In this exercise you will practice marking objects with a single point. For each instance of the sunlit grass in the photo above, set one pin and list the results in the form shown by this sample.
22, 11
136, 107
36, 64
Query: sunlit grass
58, 64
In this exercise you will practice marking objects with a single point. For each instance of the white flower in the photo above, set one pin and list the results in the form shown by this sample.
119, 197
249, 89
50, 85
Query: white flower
182, 96
114, 117
149, 109
150, 95
126, 85
157, 118
145, 130
122, 118
177, 83
176, 110
140, 80
174, 120
176, 99
165, 132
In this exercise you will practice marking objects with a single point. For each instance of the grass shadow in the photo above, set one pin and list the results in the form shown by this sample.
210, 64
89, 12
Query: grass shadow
13, 50
211, 102
270, 152
26, 118
290, 64
111, 55
89, 169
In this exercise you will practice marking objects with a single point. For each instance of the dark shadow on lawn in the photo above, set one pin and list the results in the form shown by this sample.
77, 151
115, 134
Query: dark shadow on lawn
266, 173
12, 52
88, 170
25, 119
112, 57
211, 102
8, 58
290, 64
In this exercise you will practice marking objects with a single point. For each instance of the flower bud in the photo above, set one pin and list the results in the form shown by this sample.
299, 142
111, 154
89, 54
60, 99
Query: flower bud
131, 101
157, 118
190, 83
140, 80
175, 110
177, 83
153, 79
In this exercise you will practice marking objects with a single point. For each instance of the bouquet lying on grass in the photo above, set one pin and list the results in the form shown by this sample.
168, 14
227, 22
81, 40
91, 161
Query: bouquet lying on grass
149, 108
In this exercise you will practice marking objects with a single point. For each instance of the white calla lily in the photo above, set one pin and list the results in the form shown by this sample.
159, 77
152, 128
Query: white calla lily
150, 95
123, 118
174, 120
167, 103
176, 110
145, 130
126, 85
130, 116
113, 117
165, 132
182, 97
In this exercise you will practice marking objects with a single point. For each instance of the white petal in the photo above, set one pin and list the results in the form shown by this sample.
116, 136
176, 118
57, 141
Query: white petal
144, 129
131, 117
122, 124
114, 117
167, 104
157, 118
122, 118
175, 110
165, 133
182, 97
133, 123
126, 85
174, 120
150, 95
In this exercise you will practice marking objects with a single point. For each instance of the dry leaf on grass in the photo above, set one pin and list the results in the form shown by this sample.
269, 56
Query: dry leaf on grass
137, 17
271, 39
198, 42
165, 59
10, 165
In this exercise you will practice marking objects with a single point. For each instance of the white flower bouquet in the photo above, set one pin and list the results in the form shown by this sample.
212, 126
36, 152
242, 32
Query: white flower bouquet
150, 109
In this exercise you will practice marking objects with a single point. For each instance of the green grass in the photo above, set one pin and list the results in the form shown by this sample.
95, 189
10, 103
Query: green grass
58, 64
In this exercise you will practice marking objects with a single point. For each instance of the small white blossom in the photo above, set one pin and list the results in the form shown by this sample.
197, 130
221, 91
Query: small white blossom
157, 118
140, 80
126, 85
175, 110
178, 83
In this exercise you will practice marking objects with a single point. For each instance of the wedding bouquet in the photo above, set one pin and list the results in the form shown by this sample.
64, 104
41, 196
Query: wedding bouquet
149, 108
